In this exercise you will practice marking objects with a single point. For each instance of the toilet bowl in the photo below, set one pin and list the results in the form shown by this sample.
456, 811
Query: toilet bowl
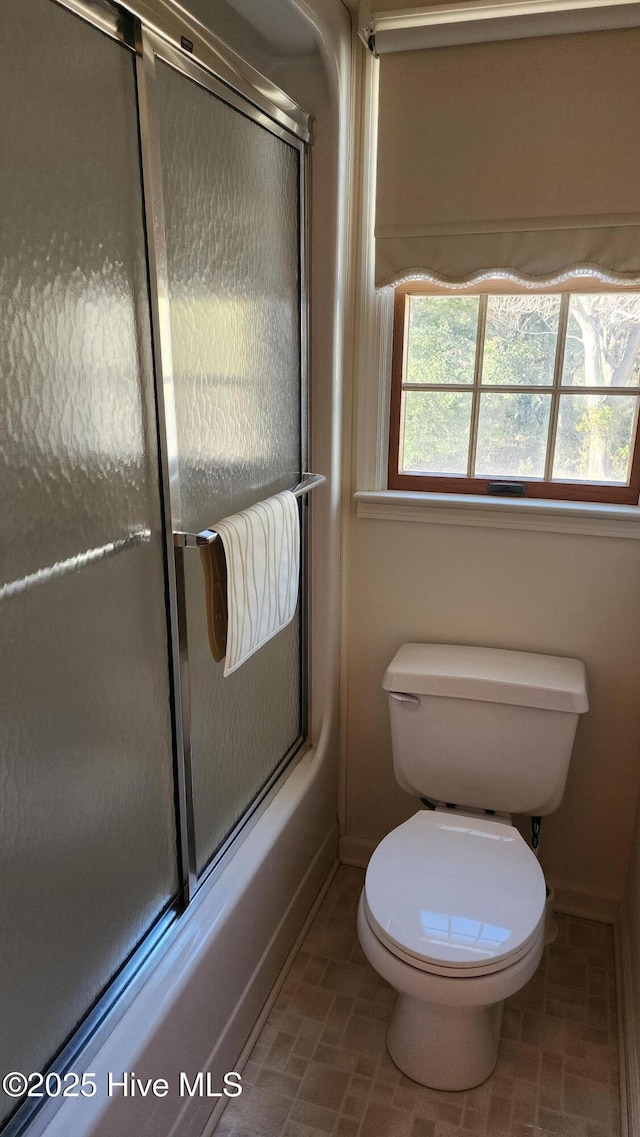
452, 915
452, 912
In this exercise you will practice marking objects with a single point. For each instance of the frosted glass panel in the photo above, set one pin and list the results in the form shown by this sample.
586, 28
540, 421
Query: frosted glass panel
87, 843
231, 200
240, 726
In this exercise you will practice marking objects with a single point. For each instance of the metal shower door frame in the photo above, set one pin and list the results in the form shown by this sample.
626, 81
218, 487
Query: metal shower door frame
151, 29
152, 46
160, 29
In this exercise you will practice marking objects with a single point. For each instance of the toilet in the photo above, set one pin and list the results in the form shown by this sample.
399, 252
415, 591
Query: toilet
452, 912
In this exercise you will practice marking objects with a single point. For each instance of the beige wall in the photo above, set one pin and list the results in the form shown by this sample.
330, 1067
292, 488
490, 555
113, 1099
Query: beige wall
555, 593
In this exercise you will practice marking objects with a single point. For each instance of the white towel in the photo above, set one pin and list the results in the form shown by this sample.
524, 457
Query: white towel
262, 551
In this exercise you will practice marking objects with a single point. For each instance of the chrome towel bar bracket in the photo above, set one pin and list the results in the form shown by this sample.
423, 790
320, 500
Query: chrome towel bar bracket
207, 536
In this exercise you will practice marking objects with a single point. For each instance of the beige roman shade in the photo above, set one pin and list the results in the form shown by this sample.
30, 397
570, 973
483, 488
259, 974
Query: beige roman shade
518, 157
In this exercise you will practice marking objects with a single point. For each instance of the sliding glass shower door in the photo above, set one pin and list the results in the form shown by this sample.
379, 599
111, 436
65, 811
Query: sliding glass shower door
231, 186
87, 827
153, 372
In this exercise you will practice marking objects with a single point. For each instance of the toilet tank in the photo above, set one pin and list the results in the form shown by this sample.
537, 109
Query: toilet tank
484, 727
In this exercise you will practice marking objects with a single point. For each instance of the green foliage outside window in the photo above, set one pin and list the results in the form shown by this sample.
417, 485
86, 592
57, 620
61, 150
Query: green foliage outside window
594, 433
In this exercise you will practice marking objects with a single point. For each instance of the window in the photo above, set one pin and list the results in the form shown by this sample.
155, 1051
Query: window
509, 391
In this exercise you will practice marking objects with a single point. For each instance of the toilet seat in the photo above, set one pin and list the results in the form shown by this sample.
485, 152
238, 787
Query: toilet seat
455, 895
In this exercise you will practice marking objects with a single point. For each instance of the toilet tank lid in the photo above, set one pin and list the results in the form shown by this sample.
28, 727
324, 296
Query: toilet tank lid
492, 675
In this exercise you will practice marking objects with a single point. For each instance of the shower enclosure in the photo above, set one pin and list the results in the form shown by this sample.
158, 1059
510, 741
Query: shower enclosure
153, 357
230, 255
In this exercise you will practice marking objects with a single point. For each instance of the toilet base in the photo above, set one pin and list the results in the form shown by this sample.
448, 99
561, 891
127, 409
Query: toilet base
445, 1031
444, 1047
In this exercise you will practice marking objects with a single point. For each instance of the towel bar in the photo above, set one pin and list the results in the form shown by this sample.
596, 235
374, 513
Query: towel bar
192, 540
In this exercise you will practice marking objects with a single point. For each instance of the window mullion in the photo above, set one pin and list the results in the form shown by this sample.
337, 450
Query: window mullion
512, 388
477, 379
563, 321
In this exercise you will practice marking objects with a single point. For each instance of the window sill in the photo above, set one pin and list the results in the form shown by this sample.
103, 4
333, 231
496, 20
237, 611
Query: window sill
584, 518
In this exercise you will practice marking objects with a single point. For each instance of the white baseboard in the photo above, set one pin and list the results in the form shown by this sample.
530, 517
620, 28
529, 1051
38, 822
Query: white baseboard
570, 900
627, 1032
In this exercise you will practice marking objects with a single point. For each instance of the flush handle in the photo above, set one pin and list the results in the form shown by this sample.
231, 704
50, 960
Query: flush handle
411, 700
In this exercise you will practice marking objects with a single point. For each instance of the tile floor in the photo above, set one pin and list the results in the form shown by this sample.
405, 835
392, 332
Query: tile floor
320, 1064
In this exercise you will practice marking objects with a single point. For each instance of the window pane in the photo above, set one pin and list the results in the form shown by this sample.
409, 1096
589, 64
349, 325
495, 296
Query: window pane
442, 339
595, 436
603, 341
512, 435
436, 432
520, 340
